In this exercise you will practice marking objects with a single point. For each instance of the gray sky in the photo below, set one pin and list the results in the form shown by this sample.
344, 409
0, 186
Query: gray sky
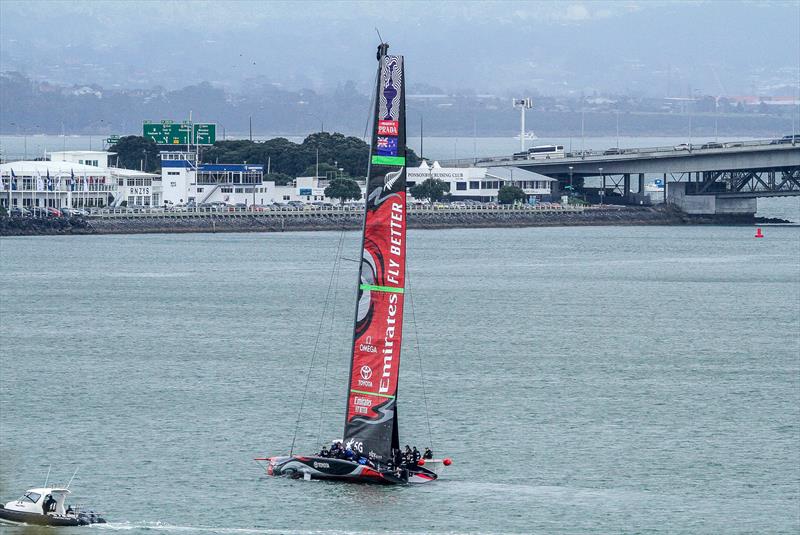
639, 47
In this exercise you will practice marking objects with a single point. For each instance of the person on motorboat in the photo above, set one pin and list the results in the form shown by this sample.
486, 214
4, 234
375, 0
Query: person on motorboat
48, 505
428, 454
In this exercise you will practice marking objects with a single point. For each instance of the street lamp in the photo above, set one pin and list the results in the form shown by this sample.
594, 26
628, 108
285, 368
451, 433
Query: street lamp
523, 104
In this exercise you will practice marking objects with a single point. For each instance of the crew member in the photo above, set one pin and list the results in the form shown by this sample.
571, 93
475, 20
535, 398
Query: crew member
415, 455
428, 454
48, 503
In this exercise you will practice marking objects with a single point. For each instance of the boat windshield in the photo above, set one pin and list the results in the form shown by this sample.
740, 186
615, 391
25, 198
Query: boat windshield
32, 496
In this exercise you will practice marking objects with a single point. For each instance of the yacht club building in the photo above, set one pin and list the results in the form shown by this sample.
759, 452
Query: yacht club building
483, 183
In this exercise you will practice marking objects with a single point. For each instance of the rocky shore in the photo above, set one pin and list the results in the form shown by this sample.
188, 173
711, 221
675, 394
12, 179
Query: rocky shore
611, 215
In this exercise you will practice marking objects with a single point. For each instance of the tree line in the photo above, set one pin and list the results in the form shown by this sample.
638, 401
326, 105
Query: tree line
284, 160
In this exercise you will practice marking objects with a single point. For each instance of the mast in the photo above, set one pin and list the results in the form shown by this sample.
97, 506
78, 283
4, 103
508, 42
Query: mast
371, 416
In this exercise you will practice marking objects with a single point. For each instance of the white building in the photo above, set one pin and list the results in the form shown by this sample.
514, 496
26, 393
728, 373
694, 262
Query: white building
55, 184
95, 158
184, 182
483, 183
66, 182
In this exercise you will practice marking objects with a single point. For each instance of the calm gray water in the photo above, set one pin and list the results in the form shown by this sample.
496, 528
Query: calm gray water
608, 380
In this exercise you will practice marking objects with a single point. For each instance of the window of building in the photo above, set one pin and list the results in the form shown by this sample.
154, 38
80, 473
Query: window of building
199, 190
286, 197
474, 185
461, 186
239, 190
226, 190
173, 184
173, 173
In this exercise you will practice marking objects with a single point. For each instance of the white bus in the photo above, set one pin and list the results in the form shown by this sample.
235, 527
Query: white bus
541, 152
545, 152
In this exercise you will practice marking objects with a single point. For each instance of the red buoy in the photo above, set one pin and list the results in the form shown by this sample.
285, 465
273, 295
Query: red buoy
758, 233
447, 462
421, 462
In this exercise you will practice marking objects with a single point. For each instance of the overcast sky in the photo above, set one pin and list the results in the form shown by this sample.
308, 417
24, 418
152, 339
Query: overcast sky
640, 47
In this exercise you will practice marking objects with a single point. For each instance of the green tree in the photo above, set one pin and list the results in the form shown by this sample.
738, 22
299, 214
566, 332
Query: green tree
432, 189
343, 189
135, 152
509, 194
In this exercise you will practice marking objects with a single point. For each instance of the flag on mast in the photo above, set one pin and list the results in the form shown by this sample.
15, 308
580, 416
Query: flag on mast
13, 180
39, 181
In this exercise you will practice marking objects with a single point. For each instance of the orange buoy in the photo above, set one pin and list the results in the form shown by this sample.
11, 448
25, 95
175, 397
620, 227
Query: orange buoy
447, 461
758, 233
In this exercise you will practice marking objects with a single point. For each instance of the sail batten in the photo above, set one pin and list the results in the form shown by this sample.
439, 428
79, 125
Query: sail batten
371, 422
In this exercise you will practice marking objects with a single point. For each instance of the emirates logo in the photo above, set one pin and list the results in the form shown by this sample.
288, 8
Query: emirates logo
366, 372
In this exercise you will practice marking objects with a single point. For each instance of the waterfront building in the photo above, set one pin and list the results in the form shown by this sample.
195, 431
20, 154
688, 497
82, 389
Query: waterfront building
483, 183
184, 181
95, 158
66, 182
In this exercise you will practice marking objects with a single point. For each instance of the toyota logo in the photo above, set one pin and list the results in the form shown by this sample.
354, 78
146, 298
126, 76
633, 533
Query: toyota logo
366, 372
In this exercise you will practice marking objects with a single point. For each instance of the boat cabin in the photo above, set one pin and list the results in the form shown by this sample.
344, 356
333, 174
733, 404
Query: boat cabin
41, 501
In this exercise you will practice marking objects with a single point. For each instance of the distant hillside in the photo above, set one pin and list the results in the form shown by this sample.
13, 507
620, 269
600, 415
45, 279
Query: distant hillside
40, 107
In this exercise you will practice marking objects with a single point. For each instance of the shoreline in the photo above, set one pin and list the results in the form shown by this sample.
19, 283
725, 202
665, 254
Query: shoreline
608, 216
207, 223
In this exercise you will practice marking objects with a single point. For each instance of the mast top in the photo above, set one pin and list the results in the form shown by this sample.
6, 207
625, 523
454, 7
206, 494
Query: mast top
383, 49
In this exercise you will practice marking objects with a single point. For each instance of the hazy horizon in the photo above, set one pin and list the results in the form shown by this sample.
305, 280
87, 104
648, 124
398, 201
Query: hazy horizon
630, 47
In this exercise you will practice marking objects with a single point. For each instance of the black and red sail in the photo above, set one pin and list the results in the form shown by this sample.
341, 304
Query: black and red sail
371, 423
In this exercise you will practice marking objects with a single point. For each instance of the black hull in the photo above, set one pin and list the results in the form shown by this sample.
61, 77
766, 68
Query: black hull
48, 520
313, 467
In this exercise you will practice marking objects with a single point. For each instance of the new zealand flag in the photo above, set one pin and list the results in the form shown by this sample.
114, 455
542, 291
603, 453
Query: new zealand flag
386, 146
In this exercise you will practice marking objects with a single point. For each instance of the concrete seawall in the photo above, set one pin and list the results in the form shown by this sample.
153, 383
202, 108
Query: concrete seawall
610, 215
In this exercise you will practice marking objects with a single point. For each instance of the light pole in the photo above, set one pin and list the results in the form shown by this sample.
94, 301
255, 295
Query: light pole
603, 189
571, 190
523, 104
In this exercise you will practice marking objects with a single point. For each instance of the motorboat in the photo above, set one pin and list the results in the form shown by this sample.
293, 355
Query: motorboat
46, 506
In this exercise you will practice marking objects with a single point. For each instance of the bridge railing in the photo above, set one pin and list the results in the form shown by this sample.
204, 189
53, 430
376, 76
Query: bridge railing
619, 153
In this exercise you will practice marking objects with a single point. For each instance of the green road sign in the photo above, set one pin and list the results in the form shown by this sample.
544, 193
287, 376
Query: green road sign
170, 133
112, 139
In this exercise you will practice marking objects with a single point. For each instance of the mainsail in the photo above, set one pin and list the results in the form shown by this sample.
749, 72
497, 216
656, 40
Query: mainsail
371, 422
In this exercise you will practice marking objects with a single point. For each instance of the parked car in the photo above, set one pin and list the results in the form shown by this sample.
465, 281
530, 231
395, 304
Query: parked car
53, 212
683, 146
20, 211
612, 150
38, 211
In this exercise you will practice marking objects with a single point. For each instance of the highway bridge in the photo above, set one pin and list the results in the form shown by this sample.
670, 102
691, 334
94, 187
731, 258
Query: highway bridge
737, 171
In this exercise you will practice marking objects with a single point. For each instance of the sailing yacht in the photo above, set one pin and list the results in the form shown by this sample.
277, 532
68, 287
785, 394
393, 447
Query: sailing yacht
371, 446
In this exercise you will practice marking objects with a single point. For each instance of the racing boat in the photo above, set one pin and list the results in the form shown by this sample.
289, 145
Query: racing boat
45, 507
370, 439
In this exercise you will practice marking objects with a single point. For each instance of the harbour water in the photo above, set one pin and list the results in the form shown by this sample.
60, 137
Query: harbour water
583, 379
